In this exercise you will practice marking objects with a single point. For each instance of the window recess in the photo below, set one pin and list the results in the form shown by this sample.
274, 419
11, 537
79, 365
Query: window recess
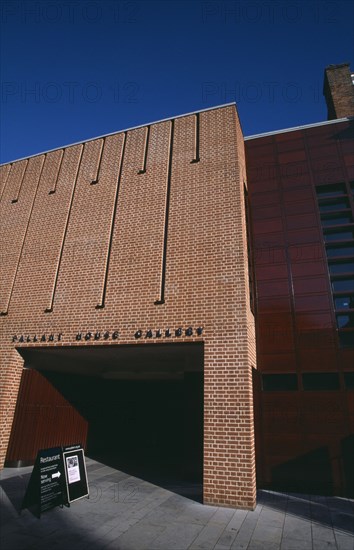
340, 234
342, 218
339, 251
345, 320
343, 285
336, 214
320, 381
346, 338
279, 382
330, 190
341, 267
344, 302
336, 205
349, 380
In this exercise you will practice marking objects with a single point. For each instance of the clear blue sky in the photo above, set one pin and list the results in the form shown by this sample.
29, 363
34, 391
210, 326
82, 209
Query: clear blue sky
75, 69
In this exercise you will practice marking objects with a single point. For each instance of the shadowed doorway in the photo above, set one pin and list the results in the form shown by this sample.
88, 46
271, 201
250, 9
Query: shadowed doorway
143, 405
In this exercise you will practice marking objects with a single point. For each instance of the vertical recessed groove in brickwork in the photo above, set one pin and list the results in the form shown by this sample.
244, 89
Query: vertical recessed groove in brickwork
161, 299
6, 310
101, 303
146, 147
57, 178
50, 307
196, 139
251, 275
20, 187
98, 171
5, 182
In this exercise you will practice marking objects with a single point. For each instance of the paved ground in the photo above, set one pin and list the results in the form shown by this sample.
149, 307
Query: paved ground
127, 513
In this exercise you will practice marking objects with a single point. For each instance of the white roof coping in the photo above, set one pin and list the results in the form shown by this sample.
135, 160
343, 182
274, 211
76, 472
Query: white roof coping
121, 131
295, 128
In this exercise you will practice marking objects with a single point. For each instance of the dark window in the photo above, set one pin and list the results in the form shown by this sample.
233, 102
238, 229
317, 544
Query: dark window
335, 211
341, 267
349, 380
332, 206
338, 251
330, 190
343, 285
336, 219
339, 234
345, 321
320, 381
279, 382
346, 339
344, 302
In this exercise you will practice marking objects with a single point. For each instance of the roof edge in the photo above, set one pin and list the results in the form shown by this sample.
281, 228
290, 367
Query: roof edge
295, 128
120, 132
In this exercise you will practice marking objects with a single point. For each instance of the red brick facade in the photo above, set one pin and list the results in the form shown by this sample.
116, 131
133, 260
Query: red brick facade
338, 90
127, 233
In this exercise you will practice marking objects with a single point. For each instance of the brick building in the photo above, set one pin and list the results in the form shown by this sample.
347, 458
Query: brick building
125, 275
127, 291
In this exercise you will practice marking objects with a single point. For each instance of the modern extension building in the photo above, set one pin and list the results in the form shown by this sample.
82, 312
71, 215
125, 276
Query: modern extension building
132, 269
301, 190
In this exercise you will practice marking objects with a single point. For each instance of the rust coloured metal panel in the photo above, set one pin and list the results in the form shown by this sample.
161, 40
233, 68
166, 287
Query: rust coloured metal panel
43, 419
308, 452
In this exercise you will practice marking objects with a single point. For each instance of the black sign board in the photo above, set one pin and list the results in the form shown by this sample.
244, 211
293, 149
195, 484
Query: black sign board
58, 477
75, 472
46, 488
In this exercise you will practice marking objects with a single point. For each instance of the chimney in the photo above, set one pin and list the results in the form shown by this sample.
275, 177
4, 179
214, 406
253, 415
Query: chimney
338, 89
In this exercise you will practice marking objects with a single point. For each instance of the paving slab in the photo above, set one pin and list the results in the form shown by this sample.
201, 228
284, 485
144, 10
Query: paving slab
177, 537
266, 533
322, 534
226, 540
128, 513
262, 545
208, 537
290, 543
344, 542
297, 528
245, 532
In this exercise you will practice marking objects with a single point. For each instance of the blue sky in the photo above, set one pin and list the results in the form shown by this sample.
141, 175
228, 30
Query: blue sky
75, 69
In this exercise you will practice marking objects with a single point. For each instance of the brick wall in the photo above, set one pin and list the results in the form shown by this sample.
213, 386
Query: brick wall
165, 248
338, 90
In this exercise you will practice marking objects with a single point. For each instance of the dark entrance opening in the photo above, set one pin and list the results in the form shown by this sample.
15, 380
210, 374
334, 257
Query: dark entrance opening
143, 405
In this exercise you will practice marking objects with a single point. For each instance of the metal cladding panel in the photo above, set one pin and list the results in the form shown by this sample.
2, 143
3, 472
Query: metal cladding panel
296, 325
43, 419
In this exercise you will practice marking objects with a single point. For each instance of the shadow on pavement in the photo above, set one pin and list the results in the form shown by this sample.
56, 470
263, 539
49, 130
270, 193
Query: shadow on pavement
15, 488
166, 476
333, 512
